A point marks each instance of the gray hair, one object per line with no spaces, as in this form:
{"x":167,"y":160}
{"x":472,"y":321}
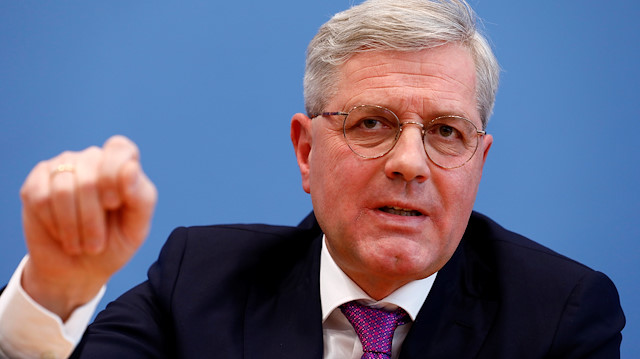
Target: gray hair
{"x":398,"y":25}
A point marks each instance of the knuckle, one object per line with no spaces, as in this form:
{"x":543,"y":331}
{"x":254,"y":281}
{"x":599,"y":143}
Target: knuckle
{"x":118,"y":141}
{"x":122,"y":143}
{"x":61,"y":193}
{"x":40,"y":166}
{"x":65,"y":156}
{"x":39,"y":171}
{"x":25,"y":192}
{"x":105,"y":180}
{"x":38,"y":202}
{"x":34,"y":197}
{"x":93,"y":151}
{"x":86,"y":186}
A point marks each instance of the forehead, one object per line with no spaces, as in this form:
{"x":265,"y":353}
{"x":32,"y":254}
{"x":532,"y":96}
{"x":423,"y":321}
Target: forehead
{"x":425,"y":83}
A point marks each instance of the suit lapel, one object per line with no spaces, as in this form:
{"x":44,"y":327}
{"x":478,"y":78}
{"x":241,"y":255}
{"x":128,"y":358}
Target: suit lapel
{"x":458,"y":312}
{"x":284,"y":317}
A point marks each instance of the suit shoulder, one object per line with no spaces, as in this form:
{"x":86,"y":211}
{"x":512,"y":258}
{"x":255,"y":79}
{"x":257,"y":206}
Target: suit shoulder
{"x":556,"y":300}
{"x":231,"y":247}
{"x":519,"y":257}
{"x":237,"y":238}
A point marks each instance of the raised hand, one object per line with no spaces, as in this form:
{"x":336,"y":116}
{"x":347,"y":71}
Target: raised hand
{"x":85,"y":214}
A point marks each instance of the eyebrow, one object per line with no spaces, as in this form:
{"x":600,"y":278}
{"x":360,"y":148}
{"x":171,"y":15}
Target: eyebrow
{"x":399,"y":113}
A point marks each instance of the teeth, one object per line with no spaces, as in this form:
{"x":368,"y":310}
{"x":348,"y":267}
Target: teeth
{"x":400,"y":211}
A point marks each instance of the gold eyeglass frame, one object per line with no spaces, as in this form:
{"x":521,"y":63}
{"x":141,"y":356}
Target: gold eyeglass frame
{"x":479,"y":133}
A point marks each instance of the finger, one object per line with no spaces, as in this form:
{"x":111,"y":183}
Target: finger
{"x":63,"y":206}
{"x":139,"y":200}
{"x":91,"y":214}
{"x":36,"y":201}
{"x":117,"y":151}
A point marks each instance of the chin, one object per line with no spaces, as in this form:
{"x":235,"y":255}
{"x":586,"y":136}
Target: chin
{"x":403,"y":259}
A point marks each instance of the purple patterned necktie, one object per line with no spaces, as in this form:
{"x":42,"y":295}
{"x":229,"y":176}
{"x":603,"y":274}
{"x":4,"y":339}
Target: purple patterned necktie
{"x":374,"y":327}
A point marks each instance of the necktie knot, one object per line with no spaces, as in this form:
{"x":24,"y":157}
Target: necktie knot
{"x":375,"y":328}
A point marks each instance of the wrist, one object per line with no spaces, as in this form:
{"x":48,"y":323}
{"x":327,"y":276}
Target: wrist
{"x":57,"y":294}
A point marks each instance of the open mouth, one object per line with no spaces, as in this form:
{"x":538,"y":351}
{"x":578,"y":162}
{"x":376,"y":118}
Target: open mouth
{"x":400,"y":211}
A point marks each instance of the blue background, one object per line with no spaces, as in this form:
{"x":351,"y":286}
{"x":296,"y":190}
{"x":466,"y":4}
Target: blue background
{"x":207,"y":89}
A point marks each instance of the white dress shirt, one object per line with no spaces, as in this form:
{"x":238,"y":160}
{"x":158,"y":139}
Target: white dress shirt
{"x":336,"y":288}
{"x":28,"y":330}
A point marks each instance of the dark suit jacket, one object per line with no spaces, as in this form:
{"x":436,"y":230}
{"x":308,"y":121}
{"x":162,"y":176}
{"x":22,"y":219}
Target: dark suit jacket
{"x":252,"y":291}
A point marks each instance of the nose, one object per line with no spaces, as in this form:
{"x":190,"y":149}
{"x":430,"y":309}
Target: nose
{"x":408,"y":159}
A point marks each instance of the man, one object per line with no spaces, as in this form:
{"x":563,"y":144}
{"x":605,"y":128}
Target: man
{"x":391,"y":150}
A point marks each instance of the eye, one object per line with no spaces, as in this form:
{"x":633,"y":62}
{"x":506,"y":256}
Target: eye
{"x":446,"y":131}
{"x":443,"y":131}
{"x":371,"y":123}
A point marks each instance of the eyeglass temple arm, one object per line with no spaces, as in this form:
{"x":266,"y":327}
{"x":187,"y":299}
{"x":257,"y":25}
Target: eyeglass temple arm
{"x":313,"y":115}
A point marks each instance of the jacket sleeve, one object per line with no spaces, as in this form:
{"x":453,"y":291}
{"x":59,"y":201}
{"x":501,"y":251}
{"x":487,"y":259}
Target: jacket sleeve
{"x":138,"y":324}
{"x":592,"y":321}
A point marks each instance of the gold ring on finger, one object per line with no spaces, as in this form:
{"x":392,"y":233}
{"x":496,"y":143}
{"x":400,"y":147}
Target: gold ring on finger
{"x":65,"y":167}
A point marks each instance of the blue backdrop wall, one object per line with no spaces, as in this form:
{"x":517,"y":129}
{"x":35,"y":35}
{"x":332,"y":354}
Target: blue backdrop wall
{"x":207,"y":89}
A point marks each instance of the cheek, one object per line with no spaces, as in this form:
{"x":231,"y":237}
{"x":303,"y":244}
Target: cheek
{"x":323,"y":162}
{"x":326,"y":165}
{"x":335,"y":169}
{"x":458,"y":189}
{"x":339,"y":182}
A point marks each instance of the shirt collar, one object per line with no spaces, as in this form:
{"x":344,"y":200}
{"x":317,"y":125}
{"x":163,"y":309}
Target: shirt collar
{"x":336,"y":288}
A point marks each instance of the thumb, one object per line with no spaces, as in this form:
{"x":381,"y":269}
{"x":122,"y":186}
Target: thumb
{"x":139,"y":197}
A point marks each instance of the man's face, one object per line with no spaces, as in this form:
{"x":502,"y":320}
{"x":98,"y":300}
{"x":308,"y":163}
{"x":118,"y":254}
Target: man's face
{"x":359,"y":202}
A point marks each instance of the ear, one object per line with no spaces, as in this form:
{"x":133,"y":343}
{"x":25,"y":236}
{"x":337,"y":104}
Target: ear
{"x":301,"y":139}
{"x":488,"y":141}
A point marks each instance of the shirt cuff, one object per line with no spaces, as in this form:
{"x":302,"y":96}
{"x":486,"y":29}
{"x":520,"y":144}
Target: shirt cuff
{"x":28,"y":330}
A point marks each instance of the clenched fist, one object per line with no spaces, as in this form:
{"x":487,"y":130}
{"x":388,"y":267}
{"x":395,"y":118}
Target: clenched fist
{"x":85,"y":214}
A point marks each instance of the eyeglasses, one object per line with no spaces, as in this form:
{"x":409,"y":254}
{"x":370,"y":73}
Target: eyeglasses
{"x":372,"y":131}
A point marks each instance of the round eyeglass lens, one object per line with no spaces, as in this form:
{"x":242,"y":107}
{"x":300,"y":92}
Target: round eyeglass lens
{"x":371,"y":131}
{"x":450,"y":141}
